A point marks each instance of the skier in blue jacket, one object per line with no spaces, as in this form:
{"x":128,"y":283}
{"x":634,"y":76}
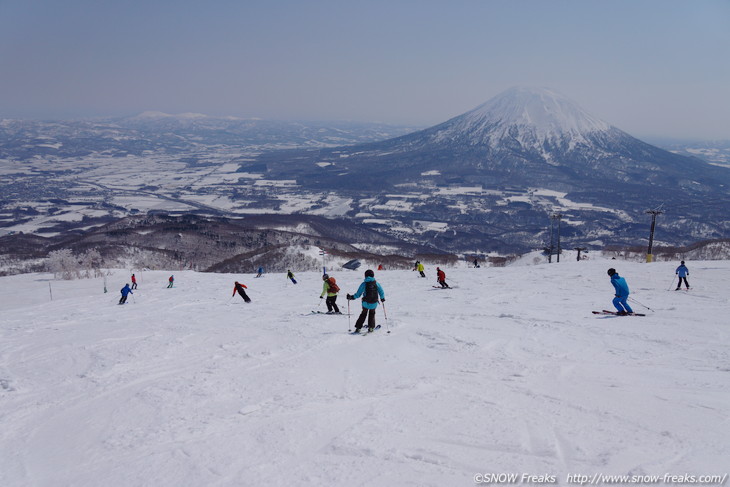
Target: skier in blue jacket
{"x":125,"y":290}
{"x":370,"y":290}
{"x":622,"y":293}
{"x":682,"y":272}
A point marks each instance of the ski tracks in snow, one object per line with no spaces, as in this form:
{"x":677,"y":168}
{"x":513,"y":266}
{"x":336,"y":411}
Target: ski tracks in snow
{"x":183,"y":386}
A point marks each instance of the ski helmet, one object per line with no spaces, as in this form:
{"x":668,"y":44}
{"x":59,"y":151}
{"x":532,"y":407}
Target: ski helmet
{"x":682,"y":262}
{"x":611,"y":271}
{"x":369,"y":273}
{"x":325,"y":277}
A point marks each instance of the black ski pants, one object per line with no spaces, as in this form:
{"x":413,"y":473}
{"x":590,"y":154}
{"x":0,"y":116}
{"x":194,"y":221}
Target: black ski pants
{"x":332,"y":304}
{"x":123,"y":299}
{"x":679,"y":284}
{"x":366,"y":313}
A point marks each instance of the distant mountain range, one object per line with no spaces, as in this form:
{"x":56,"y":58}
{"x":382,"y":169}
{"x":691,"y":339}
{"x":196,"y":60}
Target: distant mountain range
{"x":485,"y":181}
{"x":164,"y":133}
{"x":530,"y":142}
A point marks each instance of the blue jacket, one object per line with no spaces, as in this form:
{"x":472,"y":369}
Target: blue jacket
{"x":361,"y":291}
{"x":682,"y":271}
{"x":619,"y":283}
{"x":126,"y":290}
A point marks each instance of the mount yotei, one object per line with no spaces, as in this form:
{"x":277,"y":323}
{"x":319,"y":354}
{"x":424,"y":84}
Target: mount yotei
{"x":485,"y":181}
{"x":493,"y":174}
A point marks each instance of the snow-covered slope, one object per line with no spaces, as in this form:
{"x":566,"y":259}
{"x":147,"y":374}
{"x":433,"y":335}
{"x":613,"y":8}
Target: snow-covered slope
{"x":507,"y":373}
{"x":531,"y":114}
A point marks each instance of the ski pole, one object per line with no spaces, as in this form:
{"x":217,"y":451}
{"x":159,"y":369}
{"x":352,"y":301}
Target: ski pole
{"x":349,"y":326}
{"x":387,"y":327}
{"x":671,"y":285}
{"x":645,"y":306}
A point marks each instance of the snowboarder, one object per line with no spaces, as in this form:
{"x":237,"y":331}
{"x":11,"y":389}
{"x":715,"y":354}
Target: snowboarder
{"x":125,"y":290}
{"x":682,"y":272}
{"x":370,"y":290}
{"x":260,"y":272}
{"x":622,"y":293}
{"x":238,"y":287}
{"x":134,"y":282}
{"x":420,"y":268}
{"x":290,"y":275}
{"x":172,"y":281}
{"x":441,"y":277}
{"x":330,"y":288}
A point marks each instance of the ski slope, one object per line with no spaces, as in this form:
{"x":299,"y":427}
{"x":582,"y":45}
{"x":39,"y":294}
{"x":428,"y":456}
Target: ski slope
{"x":508,"y":373}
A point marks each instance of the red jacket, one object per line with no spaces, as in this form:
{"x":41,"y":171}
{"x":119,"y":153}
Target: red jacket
{"x":235,"y":288}
{"x":441,"y":275}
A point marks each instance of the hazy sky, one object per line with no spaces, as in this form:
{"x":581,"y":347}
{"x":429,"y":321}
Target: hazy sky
{"x":650,"y":67}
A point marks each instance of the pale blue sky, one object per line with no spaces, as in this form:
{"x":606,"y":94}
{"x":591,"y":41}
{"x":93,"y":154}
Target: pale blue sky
{"x":650,"y":67}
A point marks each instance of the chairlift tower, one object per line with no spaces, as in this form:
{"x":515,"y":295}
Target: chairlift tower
{"x":653,"y":213}
{"x":553,"y":217}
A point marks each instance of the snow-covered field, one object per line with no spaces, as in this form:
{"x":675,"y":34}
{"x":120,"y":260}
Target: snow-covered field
{"x":508,"y":373}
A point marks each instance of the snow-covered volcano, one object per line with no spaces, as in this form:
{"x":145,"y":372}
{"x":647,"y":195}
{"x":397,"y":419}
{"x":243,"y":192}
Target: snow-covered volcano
{"x":523,"y":137}
{"x":517,"y":143}
{"x":536,"y":125}
{"x":536,"y":115}
{"x":545,"y":110}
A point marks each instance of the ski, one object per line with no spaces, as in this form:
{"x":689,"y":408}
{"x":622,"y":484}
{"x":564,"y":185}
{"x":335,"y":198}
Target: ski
{"x":357,"y":332}
{"x":615,"y":313}
{"x":439,"y":287}
{"x":325,"y":313}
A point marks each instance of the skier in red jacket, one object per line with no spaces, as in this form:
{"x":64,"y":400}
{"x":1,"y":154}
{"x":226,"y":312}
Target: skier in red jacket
{"x":441,"y":277}
{"x":238,"y":287}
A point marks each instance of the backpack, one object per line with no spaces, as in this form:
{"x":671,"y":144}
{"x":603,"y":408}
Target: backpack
{"x":334,"y":288}
{"x":371,"y":292}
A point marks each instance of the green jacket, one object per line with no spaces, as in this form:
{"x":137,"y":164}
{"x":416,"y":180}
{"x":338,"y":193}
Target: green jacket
{"x":326,"y":290}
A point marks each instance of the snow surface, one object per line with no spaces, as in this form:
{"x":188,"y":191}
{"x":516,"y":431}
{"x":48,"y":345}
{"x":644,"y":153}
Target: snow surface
{"x":508,"y":373}
{"x":530,"y":116}
{"x":547,"y":112}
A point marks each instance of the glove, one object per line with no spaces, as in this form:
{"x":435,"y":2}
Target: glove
{"x":321,"y":297}
{"x":350,"y":297}
{"x":382,"y":300}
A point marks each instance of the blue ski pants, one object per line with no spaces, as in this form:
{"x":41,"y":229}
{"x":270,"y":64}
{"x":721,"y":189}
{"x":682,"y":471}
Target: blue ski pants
{"x":621,"y":305}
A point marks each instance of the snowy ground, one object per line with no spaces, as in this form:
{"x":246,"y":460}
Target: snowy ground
{"x":508,"y":373}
